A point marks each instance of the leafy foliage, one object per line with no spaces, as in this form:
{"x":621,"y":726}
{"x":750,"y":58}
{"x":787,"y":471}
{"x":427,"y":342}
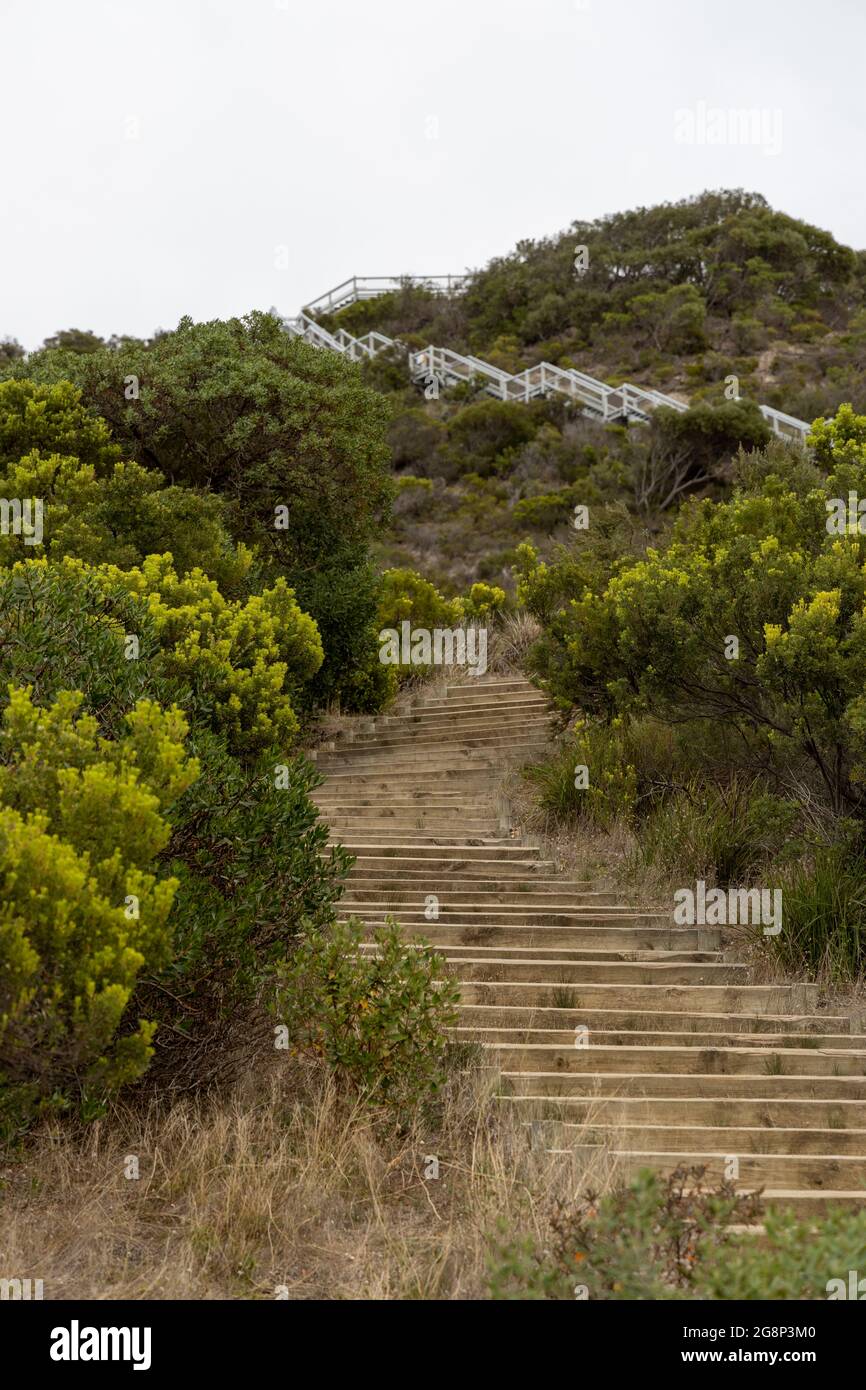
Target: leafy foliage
{"x":255,"y":877}
{"x":120,"y":517}
{"x":654,"y":633}
{"x":51,"y":419}
{"x":407,"y":595}
{"x":287,"y":436}
{"x":379,"y":1017}
{"x":243,"y":661}
{"x":81,"y":826}
{"x":825,"y":913}
{"x":723,"y":834}
{"x":645,"y":1240}
{"x":63,"y":628}
{"x":671,"y":1238}
{"x":590,"y":778}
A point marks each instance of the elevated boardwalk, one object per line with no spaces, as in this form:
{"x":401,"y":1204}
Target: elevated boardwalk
{"x":442,"y":367}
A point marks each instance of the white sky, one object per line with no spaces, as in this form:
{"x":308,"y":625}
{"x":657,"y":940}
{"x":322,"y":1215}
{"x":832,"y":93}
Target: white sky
{"x":158,"y":153}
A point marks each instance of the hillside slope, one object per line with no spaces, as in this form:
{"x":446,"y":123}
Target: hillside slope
{"x":716,"y":297}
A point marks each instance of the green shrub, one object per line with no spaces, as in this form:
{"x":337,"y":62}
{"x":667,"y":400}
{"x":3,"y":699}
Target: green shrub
{"x":54,"y":760}
{"x":408,"y":482}
{"x":401,"y":311}
{"x":82,"y":822}
{"x":245,"y":661}
{"x":590,"y":778}
{"x":417,"y":441}
{"x":248,"y":855}
{"x":241,"y":408}
{"x":413,"y":499}
{"x":655,"y":634}
{"x":62,"y":628}
{"x":517,"y":1272}
{"x":672,"y":276}
{"x":671,"y":1238}
{"x":686,"y":450}
{"x":721,"y":834}
{"x":50,"y":418}
{"x":633,"y":765}
{"x":287,"y":436}
{"x":121,"y":515}
{"x":379,"y":1018}
{"x":242,"y":665}
{"x":483,"y":601}
{"x":548,"y":510}
{"x":482,"y":435}
{"x":642,"y":1241}
{"x":671,"y":320}
{"x":750,"y":334}
{"x":407,"y":595}
{"x":345,"y":598}
{"x":794,"y":1259}
{"x":824,"y":914}
{"x":255,"y":876}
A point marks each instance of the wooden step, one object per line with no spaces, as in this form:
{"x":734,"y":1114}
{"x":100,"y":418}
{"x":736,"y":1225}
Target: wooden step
{"x":406,"y":865}
{"x":721,"y":1112}
{"x":688,"y":1140}
{"x":441,"y":848}
{"x":424,"y":940}
{"x":462,"y":915}
{"x":625,"y":1022}
{"x":471,"y":1029}
{"x":738,"y":1086}
{"x":601,"y":973}
{"x":550,"y":939}
{"x":751,"y":999}
{"x":825,"y":1172}
{"x":667,"y":1059}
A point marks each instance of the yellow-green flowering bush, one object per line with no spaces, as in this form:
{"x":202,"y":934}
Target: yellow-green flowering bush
{"x":82,"y":912}
{"x":118,"y":515}
{"x":483,"y":601}
{"x":753,"y":613}
{"x":244,"y":661}
{"x":50,"y":417}
{"x":407,"y":595}
{"x":61,"y":630}
{"x":252,"y":862}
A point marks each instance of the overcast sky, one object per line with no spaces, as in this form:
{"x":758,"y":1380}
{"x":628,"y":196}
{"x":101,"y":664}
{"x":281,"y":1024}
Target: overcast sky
{"x":207,"y":157}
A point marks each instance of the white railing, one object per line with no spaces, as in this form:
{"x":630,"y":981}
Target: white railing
{"x":597,"y":398}
{"x":786,"y":426}
{"x":305,"y":327}
{"x":370,"y":286}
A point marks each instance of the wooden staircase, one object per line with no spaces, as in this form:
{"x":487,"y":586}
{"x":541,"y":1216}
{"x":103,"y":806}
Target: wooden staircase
{"x":620,"y":1028}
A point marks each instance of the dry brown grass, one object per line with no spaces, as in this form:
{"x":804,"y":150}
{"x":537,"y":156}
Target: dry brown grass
{"x":280,"y":1189}
{"x":608,"y":860}
{"x":579,"y":849}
